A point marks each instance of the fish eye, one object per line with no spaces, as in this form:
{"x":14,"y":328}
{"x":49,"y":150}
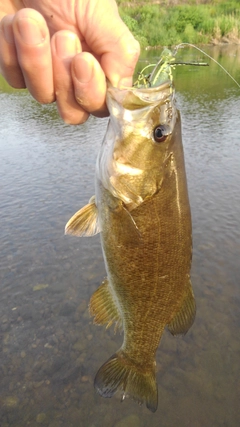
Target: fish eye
{"x":159,"y":134}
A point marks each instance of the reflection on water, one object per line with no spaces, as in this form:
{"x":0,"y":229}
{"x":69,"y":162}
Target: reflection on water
{"x":50,"y":350}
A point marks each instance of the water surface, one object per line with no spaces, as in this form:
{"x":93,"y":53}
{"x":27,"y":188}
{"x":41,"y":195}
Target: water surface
{"x":50,"y":350}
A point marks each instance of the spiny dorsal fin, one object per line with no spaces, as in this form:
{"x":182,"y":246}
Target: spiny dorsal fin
{"x":103,"y":307}
{"x":85,"y":221}
{"x":184,"y":318}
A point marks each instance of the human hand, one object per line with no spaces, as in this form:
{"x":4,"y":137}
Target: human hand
{"x":63,"y":50}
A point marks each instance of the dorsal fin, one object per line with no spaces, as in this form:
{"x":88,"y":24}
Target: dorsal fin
{"x":184,"y":318}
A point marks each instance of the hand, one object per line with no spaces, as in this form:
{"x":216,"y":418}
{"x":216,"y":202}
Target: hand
{"x":63,"y":50}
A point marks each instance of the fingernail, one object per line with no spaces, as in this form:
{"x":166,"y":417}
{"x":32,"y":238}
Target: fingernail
{"x":66,"y":45}
{"x":30,"y":32}
{"x":82,"y":70}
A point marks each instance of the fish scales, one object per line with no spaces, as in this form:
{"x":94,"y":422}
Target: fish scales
{"x":157,"y":265}
{"x":141,"y":209}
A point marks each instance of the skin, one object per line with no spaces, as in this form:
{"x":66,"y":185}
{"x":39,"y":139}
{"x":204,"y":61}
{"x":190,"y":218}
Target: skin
{"x":63,"y":50}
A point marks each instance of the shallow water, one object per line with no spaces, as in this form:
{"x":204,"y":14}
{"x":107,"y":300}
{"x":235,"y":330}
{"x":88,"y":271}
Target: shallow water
{"x":50,"y":350}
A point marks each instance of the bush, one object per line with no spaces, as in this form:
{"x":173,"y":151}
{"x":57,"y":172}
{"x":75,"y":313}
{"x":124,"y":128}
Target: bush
{"x":226,"y":24}
{"x":133,"y":26}
{"x":130,"y":22}
{"x":188,"y":15}
{"x":208,"y":26}
{"x":154,"y":24}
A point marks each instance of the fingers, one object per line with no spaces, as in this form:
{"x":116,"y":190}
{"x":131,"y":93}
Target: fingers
{"x":120,"y":60}
{"x":59,"y":68}
{"x":27,"y":61}
{"x":34,"y":53}
{"x":89,"y":84}
{"x":65,"y":45}
{"x":114,"y":45}
{"x":9,"y":65}
{"x":26,"y":54}
{"x":79,"y":81}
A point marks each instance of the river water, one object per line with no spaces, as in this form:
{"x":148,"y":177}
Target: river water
{"x":50,"y":350}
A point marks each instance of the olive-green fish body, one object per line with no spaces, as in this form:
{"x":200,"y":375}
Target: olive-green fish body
{"x":141,"y":208}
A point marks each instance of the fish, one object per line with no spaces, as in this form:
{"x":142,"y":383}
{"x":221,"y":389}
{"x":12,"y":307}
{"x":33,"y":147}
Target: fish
{"x":141,"y":210}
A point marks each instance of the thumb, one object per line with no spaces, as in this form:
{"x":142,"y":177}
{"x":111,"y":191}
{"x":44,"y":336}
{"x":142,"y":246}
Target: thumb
{"x":110,"y":40}
{"x":119,"y":62}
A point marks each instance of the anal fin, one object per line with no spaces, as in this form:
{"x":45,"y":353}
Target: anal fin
{"x":103,"y":307}
{"x":184,"y":318}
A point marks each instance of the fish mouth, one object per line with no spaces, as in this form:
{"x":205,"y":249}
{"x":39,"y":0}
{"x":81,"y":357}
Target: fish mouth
{"x":133,"y":108}
{"x":132,"y":98}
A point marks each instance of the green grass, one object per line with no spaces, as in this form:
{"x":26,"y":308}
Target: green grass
{"x":194,"y":22}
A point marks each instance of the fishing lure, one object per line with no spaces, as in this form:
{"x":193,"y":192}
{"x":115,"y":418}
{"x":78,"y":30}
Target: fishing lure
{"x":162,"y":71}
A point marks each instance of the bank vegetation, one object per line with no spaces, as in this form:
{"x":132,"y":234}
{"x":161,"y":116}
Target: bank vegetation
{"x":170,"y":22}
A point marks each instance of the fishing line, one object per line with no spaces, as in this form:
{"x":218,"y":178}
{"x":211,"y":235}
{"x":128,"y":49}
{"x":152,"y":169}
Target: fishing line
{"x":208,"y":56}
{"x":162,"y":70}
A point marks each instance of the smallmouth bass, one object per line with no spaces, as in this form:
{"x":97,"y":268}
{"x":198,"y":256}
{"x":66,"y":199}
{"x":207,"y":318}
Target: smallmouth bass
{"x":141,"y":210}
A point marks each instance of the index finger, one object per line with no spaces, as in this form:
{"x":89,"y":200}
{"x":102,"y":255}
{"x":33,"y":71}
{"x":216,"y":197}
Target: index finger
{"x":32,"y":44}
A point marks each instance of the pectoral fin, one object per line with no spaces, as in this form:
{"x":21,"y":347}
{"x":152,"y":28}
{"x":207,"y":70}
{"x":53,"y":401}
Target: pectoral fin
{"x":184,"y":318}
{"x":85,"y":221}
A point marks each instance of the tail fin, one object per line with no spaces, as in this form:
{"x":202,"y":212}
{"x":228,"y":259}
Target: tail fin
{"x":121,"y":374}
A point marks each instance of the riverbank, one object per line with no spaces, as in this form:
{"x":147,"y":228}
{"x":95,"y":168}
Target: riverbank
{"x":170,"y":23}
{"x":223,"y":41}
